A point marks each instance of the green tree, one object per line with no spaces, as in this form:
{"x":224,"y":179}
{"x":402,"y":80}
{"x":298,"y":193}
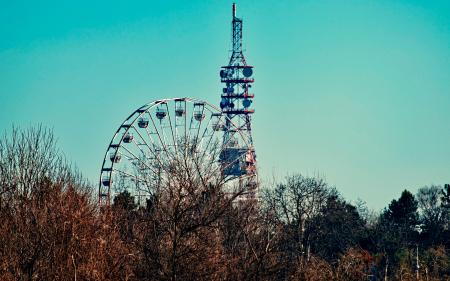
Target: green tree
{"x":125,"y":201}
{"x":394,"y":233}
{"x":337,"y":228}
{"x":446,"y":196}
{"x":403,"y":211}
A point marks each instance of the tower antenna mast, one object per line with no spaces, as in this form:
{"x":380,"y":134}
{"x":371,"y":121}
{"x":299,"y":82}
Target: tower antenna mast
{"x":235,"y":104}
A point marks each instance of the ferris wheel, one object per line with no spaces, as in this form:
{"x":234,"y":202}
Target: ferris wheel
{"x":158,"y":138}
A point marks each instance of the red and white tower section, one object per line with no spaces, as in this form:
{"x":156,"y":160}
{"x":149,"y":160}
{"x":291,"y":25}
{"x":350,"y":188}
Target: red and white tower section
{"x":236,"y":104}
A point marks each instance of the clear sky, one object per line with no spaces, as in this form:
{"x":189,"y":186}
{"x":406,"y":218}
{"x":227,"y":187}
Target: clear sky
{"x":355,"y":91}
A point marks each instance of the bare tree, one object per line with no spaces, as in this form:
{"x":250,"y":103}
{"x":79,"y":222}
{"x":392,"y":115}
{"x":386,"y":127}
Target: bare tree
{"x":50,"y":228}
{"x":294,"y":204}
{"x":431,"y":211}
{"x":355,"y":264}
{"x":178,"y":236}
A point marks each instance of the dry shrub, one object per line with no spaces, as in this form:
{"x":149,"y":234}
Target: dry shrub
{"x":354,"y":264}
{"x":51,"y":229}
{"x":315,"y":269}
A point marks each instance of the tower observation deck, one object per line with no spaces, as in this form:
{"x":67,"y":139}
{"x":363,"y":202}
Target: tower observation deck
{"x":236,"y":101}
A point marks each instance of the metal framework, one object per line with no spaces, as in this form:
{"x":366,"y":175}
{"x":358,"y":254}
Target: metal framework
{"x":164,"y":135}
{"x":160,"y":137}
{"x":235,"y":104}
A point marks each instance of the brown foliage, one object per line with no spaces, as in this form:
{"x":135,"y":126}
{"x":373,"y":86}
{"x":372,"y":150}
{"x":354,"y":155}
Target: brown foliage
{"x":354,"y":265}
{"x":50,"y":228}
{"x":191,"y":229}
{"x":316,"y":269}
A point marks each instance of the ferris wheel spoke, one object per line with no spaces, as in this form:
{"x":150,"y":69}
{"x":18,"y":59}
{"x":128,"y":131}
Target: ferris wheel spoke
{"x":170,"y":124}
{"x":149,"y":136}
{"x":199,"y":173}
{"x":159,"y":136}
{"x":188,"y":137}
{"x":154,"y":145}
{"x":172,"y":132}
{"x":139,"y":159}
{"x":211,"y":136}
{"x":148,"y":146}
{"x":185,"y":125}
{"x":163,"y":134}
{"x":200,"y":141}
{"x":139,"y":179}
{"x":203,"y":175}
{"x":130,"y":176}
{"x":199,"y":125}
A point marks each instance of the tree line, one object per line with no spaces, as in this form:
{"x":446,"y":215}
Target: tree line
{"x":51,"y":228}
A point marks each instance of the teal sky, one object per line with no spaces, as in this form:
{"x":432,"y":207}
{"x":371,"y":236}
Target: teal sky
{"x":355,"y":91}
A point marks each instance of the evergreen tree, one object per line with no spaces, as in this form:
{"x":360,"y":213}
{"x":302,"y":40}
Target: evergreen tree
{"x":125,"y":201}
{"x":446,"y":196}
{"x":403,"y":211}
{"x":336,"y":229}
